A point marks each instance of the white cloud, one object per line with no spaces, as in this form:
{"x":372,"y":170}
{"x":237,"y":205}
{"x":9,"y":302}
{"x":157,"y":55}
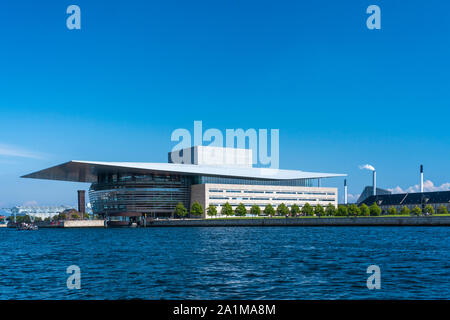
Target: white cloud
{"x":428,"y":185}
{"x":13,"y":151}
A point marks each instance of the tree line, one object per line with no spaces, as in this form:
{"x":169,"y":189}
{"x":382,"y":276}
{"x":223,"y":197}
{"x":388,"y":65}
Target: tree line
{"x":295,"y":211}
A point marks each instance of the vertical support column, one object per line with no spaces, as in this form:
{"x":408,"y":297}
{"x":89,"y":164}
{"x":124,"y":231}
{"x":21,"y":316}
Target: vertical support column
{"x":82,"y":202}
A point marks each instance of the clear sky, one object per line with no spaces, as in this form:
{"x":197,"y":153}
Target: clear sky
{"x":340,"y":94}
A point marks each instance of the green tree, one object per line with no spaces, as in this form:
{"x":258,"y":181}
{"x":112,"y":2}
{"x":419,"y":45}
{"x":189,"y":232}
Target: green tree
{"x":227,"y":210}
{"x":211,"y":211}
{"x":282,"y":210}
{"x":269,"y":210}
{"x":342,"y":211}
{"x":330,"y":210}
{"x":295,"y":210}
{"x":196,"y":209}
{"x":354,"y":210}
{"x":255,"y":210}
{"x":307,"y":210}
{"x":75,"y":216}
{"x":442,"y":210}
{"x":365,"y":211}
{"x":416,"y":211}
{"x":392,"y":211}
{"x":240,"y":210}
{"x":429,"y":209}
{"x":375,"y":210}
{"x":180,"y":210}
{"x":405,"y":210}
{"x":319,"y":210}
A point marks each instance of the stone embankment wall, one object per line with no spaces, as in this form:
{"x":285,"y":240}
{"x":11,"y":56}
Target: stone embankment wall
{"x":359,"y":221}
{"x":84,"y":223}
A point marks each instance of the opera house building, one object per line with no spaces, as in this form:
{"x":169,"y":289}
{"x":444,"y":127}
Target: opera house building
{"x":125,"y":190}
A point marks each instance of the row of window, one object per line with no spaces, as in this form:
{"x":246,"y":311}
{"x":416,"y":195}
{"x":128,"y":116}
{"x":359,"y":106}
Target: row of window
{"x":261,"y":205}
{"x":277,"y":192}
{"x":273,"y":199}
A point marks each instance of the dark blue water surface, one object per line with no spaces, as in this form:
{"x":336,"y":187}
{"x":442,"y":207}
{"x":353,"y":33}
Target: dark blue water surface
{"x":226,"y":263}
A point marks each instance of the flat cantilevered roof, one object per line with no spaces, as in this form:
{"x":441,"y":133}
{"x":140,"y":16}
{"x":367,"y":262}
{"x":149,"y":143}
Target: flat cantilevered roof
{"x":86,"y":171}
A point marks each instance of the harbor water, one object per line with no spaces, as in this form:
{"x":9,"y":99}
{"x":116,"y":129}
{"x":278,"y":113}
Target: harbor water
{"x":226,"y":263}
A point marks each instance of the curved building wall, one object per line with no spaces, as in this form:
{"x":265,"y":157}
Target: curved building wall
{"x":138,"y":193}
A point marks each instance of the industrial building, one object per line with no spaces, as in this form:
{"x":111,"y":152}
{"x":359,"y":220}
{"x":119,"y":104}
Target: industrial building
{"x":131,"y":190}
{"x":368,"y":191}
{"x":385,"y":200}
{"x":410,"y":200}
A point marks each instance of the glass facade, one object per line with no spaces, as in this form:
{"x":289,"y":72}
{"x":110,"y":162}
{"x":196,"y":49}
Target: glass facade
{"x":262,"y":182}
{"x":153,"y":194}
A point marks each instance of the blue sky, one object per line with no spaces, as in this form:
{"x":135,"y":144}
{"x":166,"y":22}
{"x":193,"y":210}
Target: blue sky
{"x":341,"y":95}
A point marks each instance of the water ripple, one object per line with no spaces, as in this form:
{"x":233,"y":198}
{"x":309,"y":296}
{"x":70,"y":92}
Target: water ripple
{"x":226,"y":263}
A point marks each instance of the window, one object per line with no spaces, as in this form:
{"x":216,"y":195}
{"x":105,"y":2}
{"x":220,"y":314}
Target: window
{"x":218,"y":198}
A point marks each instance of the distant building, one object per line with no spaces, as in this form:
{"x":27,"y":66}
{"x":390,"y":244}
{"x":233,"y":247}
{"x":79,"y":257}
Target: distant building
{"x":368,"y":191}
{"x":38,"y":211}
{"x":410,"y":200}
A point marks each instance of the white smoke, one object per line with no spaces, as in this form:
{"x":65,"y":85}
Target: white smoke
{"x":367,"y":167}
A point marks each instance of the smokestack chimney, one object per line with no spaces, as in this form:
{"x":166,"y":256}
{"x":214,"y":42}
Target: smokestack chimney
{"x":374,"y":183}
{"x":345,"y":191}
{"x":82,"y":202}
{"x":421,"y":178}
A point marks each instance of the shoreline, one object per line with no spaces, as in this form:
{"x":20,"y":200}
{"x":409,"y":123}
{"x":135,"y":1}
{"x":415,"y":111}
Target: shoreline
{"x":308,"y":222}
{"x":264,"y":222}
